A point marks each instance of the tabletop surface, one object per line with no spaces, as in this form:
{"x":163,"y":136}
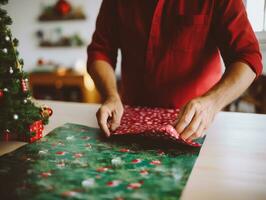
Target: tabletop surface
{"x":231,"y":164}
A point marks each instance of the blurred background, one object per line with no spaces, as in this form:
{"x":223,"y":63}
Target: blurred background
{"x":53,"y":37}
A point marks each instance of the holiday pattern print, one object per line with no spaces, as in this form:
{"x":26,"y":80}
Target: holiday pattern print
{"x":89,"y":166}
{"x":151,"y":122}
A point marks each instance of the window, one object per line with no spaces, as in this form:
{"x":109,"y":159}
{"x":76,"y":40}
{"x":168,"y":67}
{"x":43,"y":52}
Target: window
{"x":256,"y":10}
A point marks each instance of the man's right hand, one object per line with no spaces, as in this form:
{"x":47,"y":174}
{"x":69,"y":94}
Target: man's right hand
{"x":109,"y":114}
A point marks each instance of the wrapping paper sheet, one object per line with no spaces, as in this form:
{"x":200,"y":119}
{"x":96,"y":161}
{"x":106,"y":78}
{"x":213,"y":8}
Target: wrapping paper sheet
{"x":77,"y":162}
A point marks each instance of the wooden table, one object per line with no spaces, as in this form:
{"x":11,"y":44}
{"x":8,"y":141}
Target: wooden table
{"x":231,"y":164}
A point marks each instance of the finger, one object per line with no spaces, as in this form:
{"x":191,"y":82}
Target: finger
{"x":192,"y":127}
{"x":185,"y":118}
{"x":199,"y":133}
{"x":102,"y":118}
{"x":174,"y":123}
{"x":116,"y":119}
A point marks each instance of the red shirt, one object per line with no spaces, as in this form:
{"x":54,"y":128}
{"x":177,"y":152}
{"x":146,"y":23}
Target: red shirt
{"x":172,"y":49}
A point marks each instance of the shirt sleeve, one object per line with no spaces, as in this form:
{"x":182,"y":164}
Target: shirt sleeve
{"x":235,"y":36}
{"x":104,"y":44}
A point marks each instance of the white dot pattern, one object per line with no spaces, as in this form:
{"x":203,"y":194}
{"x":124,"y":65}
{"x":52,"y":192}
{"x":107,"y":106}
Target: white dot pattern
{"x":152,"y":122}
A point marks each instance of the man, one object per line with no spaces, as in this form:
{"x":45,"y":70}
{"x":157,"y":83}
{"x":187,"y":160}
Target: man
{"x":171,"y":57}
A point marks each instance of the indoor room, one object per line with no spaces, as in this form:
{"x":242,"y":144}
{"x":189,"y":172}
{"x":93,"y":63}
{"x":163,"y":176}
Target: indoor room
{"x":109,"y":99}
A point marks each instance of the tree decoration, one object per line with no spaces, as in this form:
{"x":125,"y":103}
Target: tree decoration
{"x":24,"y":85}
{"x":15,"y":116}
{"x":20,"y":118}
{"x":1,"y":94}
{"x":7,"y":38}
{"x":46,"y":111}
{"x":11,"y":71}
{"x":5,"y":50}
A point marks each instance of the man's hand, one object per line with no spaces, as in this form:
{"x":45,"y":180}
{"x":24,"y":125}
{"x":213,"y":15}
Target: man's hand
{"x":198,"y":114}
{"x":195,"y":117}
{"x":109,"y":115}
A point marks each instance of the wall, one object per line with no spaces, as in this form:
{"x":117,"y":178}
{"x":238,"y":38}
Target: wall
{"x":24,"y":14}
{"x":25,"y":24}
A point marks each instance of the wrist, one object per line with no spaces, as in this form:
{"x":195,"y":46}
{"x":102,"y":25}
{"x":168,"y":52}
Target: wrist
{"x":214,"y":100}
{"x":113,"y":97}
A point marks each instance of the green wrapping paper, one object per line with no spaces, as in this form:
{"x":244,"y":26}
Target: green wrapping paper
{"x":76,"y":162}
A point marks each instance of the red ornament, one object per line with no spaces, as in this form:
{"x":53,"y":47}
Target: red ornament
{"x":37,"y":128}
{"x":40,"y":62}
{"x":63,"y":7}
{"x":1,"y":94}
{"x":24,"y":85}
{"x":46,"y":111}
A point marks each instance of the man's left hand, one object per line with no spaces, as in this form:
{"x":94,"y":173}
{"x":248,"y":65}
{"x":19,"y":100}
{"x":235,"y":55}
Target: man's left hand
{"x":195,"y":117}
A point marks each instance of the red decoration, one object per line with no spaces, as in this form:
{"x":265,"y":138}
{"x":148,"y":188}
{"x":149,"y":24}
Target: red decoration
{"x":40,"y":62}
{"x":151,"y":122}
{"x":46,"y":111}
{"x":63,"y":7}
{"x":6,"y":136}
{"x":24,"y":85}
{"x":37,"y":128}
{"x":1,"y":94}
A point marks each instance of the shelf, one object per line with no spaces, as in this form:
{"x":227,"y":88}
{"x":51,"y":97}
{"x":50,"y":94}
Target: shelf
{"x":67,"y":86}
{"x":60,"y":18}
{"x":54,"y":17}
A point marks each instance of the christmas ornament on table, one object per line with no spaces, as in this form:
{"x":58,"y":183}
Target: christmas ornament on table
{"x":20,"y":118}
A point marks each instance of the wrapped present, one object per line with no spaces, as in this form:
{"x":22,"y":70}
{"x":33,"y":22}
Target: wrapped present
{"x":37,"y":130}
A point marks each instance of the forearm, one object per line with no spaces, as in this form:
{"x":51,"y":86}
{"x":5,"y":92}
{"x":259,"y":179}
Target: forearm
{"x":104,"y":77}
{"x":234,"y":82}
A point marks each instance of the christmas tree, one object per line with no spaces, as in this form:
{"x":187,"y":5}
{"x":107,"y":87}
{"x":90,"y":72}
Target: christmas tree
{"x":20,"y":118}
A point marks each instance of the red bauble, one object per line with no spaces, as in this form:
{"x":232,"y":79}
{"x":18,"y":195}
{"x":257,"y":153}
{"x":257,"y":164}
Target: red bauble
{"x":63,"y":7}
{"x":24,"y":85}
{"x":46,"y":111}
{"x":1,"y":94}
